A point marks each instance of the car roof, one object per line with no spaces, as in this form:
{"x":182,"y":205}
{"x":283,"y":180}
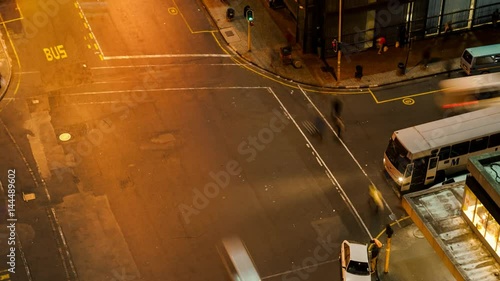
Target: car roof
{"x":358,"y":251}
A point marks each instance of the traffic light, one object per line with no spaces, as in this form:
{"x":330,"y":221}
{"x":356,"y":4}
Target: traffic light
{"x":250,"y":15}
{"x":335,"y":45}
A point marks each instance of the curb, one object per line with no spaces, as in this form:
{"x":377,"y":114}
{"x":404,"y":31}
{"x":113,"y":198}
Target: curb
{"x":5,"y":86}
{"x":362,"y":86}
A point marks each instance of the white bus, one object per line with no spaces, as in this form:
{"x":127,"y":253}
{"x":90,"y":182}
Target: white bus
{"x":420,"y":156}
{"x":469,"y":93}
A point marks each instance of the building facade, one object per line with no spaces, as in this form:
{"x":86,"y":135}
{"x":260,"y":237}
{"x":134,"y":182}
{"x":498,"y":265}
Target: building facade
{"x":363,"y":21}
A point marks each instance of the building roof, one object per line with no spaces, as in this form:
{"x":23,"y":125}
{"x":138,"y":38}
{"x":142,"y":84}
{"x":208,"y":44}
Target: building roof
{"x":484,"y":50}
{"x":485,"y":168}
{"x":437,"y":213}
{"x":421,"y":138}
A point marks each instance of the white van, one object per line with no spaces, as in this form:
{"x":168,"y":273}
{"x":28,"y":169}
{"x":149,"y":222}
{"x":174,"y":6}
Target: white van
{"x":482,"y":59}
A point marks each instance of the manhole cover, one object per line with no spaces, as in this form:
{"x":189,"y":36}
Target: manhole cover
{"x":64,"y":137}
{"x":229,"y":33}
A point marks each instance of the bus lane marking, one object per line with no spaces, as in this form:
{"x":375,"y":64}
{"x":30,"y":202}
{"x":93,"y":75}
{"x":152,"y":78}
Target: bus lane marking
{"x":90,"y":33}
{"x":377,"y":101}
{"x":173,"y":11}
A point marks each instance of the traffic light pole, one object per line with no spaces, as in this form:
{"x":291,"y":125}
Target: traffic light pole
{"x":339,"y":53}
{"x":389,"y":231}
{"x":249,"y":37}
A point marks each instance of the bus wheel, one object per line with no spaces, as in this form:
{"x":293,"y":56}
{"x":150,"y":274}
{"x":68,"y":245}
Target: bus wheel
{"x":440,"y":177}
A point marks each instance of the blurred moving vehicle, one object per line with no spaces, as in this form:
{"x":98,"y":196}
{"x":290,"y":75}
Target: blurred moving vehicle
{"x":354,"y":261}
{"x":237,"y":260}
{"x":469,"y":93}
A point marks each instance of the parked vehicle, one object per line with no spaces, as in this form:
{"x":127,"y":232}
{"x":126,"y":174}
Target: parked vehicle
{"x":354,"y":261}
{"x":483,"y":59}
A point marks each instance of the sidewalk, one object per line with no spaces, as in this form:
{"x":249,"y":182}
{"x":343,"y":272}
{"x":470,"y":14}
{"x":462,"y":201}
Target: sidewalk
{"x":5,"y":68}
{"x":411,"y":257}
{"x":269,"y":34}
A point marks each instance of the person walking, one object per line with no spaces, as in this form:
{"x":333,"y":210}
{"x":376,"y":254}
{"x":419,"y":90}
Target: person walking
{"x":319,"y":125}
{"x":337,"y":107}
{"x":336,"y":112}
{"x":339,"y":125}
{"x":376,"y":198}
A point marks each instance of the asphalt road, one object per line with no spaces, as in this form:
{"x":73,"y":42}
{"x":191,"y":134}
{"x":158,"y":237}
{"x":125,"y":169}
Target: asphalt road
{"x":176,"y":144}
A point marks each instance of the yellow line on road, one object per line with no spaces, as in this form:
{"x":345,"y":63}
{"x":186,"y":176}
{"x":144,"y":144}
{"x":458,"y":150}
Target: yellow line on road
{"x":187,"y":24}
{"x":403,"y":97}
{"x":13,"y":20}
{"x":239,"y":61}
{"x":16,"y":89}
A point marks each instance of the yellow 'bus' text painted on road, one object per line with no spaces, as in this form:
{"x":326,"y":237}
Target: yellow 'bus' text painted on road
{"x":56,"y":52}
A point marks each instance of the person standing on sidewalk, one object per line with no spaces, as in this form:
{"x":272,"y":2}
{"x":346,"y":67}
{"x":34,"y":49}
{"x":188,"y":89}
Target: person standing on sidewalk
{"x":376,"y":245}
{"x":426,"y":56}
{"x":381,"y":43}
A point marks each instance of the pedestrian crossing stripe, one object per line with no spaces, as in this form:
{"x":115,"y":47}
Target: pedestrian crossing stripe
{"x":310,"y":127}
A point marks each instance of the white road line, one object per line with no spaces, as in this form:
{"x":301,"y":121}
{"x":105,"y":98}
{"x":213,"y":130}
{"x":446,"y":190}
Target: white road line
{"x":163,"y":89}
{"x":392,"y":215}
{"x":298,"y":269}
{"x":23,"y":257}
{"x":329,"y":173}
{"x":162,"y":65}
{"x":28,"y":72}
{"x":51,"y":219}
{"x":167,"y":56}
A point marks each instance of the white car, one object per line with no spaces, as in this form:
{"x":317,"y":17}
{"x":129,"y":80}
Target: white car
{"x":354,"y":262}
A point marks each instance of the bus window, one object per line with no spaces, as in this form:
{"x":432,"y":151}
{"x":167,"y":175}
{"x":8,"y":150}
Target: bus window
{"x":484,"y":60}
{"x":494,"y":140}
{"x":467,"y":57}
{"x":459,"y":149}
{"x":478,"y":144}
{"x":444,"y":153}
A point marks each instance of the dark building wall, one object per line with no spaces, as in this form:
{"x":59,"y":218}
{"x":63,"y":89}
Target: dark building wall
{"x":397,"y":20}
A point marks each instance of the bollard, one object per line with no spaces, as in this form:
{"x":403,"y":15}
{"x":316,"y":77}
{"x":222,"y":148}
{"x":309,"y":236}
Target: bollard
{"x":401,"y":68}
{"x":359,"y":72}
{"x":389,"y":232}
